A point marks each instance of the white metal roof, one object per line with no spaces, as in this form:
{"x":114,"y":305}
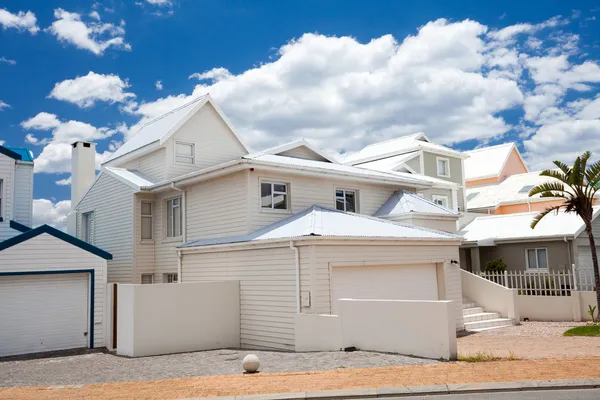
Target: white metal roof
{"x":487,"y":162}
{"x":131,"y":177}
{"x":486,"y":230}
{"x":404,"y":202}
{"x":513,"y":190}
{"x":400,"y":145}
{"x":390,"y":163}
{"x":295,"y":144}
{"x":321,"y":221}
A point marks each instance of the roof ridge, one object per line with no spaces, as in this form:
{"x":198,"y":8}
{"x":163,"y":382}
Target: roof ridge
{"x":392,"y":139}
{"x":171,"y":112}
{"x":489,"y":147}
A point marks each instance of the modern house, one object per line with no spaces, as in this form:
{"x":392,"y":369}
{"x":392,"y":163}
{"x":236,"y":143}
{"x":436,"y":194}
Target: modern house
{"x":184,"y":200}
{"x":491,"y":165}
{"x":52,"y":284}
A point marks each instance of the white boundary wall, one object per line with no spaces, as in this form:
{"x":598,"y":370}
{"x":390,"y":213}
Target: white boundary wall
{"x":557,"y":308}
{"x":419,"y":328}
{"x":177,"y":317}
{"x":490,"y":295}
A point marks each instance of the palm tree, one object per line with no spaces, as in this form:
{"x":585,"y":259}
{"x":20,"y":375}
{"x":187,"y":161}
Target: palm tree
{"x":577,"y":186}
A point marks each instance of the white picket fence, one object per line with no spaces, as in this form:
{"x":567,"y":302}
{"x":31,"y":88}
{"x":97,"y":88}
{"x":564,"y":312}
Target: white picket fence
{"x":543,"y":283}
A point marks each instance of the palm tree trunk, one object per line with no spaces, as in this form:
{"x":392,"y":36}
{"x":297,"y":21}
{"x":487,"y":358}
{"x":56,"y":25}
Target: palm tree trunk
{"x":588,"y":228}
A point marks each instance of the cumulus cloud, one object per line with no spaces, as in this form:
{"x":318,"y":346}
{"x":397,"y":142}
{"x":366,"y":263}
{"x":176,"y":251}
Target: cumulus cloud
{"x":3,"y":105}
{"x":53,"y":214}
{"x":94,"y":36}
{"x":158,"y":85}
{"x":86,"y":90}
{"x":42,"y":121}
{"x":64,"y":182}
{"x":8,"y":61}
{"x":159,"y":2}
{"x":510,"y":32}
{"x":22,"y":21}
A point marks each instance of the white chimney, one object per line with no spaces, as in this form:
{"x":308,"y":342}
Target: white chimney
{"x":83,"y":172}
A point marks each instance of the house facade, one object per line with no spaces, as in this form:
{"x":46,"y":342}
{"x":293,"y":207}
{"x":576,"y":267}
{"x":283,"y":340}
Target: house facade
{"x":16,"y":189}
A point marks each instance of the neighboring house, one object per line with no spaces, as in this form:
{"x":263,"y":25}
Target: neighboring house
{"x":184,"y":200}
{"x":491,"y":165}
{"x":557,"y":242}
{"x":415,"y":154}
{"x":16,"y":189}
{"x":51,"y":284}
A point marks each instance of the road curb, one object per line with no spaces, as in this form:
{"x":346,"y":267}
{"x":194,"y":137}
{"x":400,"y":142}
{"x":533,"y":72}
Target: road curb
{"x":408,"y":391}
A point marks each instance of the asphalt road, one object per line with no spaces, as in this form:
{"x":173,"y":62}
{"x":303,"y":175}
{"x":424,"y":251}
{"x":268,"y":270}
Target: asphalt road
{"x":570,"y":394}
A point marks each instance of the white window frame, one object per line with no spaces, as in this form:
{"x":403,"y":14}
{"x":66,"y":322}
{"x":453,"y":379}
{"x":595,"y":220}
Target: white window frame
{"x":175,"y":155}
{"x":147,"y":216}
{"x":274,"y":182}
{"x":1,"y":199}
{"x":87,"y":234}
{"x":437,"y":166}
{"x":344,"y":190}
{"x":537,"y":261}
{"x":170,"y":221}
{"x":171,"y":276}
{"x":436,"y":197}
{"x":151,"y":279}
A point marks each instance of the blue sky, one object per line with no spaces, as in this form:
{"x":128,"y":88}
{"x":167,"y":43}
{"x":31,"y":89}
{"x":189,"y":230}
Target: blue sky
{"x":343,"y":73}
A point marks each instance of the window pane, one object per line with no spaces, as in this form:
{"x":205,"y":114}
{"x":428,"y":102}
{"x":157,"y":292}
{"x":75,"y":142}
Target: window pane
{"x":531,"y":258}
{"x":184,"y":160}
{"x":147,"y":279}
{"x":176,"y":221}
{"x":339,"y":203}
{"x":265,"y":195}
{"x":183,"y":149}
{"x":146,"y":228}
{"x":442,"y":167}
{"x":350,"y":202}
{"x":280,"y":202}
{"x":542,"y":258}
{"x":279,"y":188}
{"x":170,"y":218}
{"x":339,"y":193}
{"x":146,"y":209}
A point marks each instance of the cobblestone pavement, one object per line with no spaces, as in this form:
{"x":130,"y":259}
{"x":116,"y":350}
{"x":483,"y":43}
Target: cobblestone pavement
{"x":239,"y":384}
{"x":531,"y":340}
{"x":100,"y":367}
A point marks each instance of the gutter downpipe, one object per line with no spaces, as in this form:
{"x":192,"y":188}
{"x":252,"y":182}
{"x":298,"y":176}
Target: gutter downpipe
{"x":297,"y":257}
{"x":184,"y":228}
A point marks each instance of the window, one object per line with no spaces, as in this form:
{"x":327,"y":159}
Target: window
{"x":443,"y":167}
{"x":440,"y":200}
{"x":1,"y":204}
{"x":526,"y":189}
{"x":87,"y":227}
{"x":184,"y":153}
{"x":147,"y":279}
{"x":345,"y":200}
{"x":170,"y":278}
{"x":471,"y":196}
{"x":273,"y":196}
{"x":174,"y":217}
{"x":537,"y":258}
{"x":146,"y":224}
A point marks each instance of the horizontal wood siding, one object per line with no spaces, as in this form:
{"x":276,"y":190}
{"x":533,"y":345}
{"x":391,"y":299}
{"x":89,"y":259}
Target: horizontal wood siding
{"x":6,"y":231}
{"x":307,"y":191}
{"x":7,"y":175}
{"x":112,"y":204}
{"x":45,"y":252}
{"x":214,"y":143}
{"x":23,"y":194}
{"x":218,"y":207}
{"x":152,"y":165}
{"x":267,"y":291}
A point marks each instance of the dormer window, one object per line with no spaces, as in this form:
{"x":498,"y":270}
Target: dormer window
{"x":184,"y":153}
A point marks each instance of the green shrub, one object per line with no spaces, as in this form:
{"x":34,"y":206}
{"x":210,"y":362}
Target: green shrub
{"x":496,"y":265}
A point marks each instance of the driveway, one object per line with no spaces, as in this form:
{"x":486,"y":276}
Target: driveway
{"x":531,"y":340}
{"x":100,"y":367}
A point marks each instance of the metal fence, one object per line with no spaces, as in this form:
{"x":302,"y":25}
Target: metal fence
{"x":543,"y":283}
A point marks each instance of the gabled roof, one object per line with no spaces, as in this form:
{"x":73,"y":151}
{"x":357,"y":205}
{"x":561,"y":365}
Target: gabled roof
{"x":29,"y":233}
{"x":488,"y":230}
{"x":25,"y":153}
{"x":16,"y":153}
{"x":156,"y":132}
{"x":394,"y":163}
{"x":400,"y":145}
{"x":404,"y":202}
{"x":324,"y":222}
{"x":294,"y":145}
{"x":488,"y":162}
{"x":131,"y":177}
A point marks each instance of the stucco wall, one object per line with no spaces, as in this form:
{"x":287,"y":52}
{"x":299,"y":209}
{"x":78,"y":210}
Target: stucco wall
{"x":514,"y":254}
{"x":177,"y":317}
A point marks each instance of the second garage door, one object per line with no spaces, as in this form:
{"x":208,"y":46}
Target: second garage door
{"x":43,"y":313}
{"x":389,"y":282}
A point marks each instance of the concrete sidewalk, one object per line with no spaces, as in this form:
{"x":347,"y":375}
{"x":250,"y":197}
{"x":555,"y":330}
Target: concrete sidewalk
{"x":446,"y":376}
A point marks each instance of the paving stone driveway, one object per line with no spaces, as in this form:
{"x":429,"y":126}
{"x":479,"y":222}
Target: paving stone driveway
{"x":100,"y":367}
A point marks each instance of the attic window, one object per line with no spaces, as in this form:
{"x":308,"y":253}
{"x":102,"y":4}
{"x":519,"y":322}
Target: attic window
{"x":184,"y":153}
{"x":471,"y":196}
{"x":526,"y":189}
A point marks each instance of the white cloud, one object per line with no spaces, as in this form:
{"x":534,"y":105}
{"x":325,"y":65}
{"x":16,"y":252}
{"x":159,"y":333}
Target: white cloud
{"x":64,"y":182}
{"x":158,"y":85}
{"x":159,"y":2}
{"x":64,"y":131}
{"x":43,"y":121}
{"x":20,"y":21}
{"x":86,"y":90}
{"x":94,"y":14}
{"x":53,"y":214}
{"x":215,"y":74}
{"x":3,"y":105}
{"x":510,"y":32}
{"x":93,"y":36}
{"x":7,"y":60}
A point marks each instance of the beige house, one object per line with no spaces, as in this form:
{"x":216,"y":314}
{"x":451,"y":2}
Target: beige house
{"x":184,"y":200}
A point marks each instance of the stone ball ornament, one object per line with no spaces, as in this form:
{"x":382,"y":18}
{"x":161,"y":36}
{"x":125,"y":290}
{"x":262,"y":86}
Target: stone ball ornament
{"x":251,"y":363}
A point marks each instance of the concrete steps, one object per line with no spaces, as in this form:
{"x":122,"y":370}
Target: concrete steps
{"x":476,"y":319}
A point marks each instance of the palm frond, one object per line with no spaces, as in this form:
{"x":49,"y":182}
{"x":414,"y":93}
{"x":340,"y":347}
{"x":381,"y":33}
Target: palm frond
{"x":551,"y":173}
{"x":563,"y":167}
{"x":549,"y":189}
{"x":541,"y":215}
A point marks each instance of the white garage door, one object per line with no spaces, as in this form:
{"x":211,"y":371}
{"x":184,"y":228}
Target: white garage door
{"x":398,"y":282}
{"x":43,"y":313}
